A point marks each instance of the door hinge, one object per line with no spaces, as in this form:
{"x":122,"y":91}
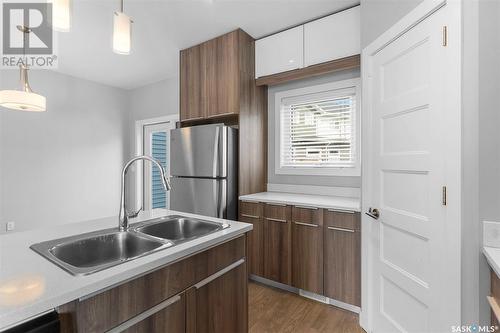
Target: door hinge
{"x":444,"y":196}
{"x":445,"y":35}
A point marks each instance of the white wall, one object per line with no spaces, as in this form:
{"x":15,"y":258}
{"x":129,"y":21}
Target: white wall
{"x":151,"y":101}
{"x":489,"y":134}
{"x":63,"y":165}
{"x":379,"y":15}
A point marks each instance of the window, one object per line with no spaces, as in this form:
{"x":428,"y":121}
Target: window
{"x":317,"y":130}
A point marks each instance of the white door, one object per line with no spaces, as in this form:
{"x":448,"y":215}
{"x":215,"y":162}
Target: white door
{"x":156,"y":143}
{"x":414,"y":145}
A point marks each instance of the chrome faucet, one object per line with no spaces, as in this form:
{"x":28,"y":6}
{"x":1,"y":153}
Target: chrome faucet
{"x":123,"y":217}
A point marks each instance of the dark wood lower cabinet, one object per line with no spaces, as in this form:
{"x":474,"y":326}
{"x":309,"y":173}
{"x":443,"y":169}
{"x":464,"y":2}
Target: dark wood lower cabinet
{"x":313,"y":249}
{"x":161,"y":301}
{"x":307,"y":249}
{"x":277,"y":244}
{"x":219,"y":304}
{"x":169,"y":318}
{"x":343,"y":265}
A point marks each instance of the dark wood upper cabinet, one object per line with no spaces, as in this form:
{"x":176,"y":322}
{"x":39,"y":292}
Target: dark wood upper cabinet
{"x":342,"y":242}
{"x":214,"y":76}
{"x":191,"y":83}
{"x":217,"y":85}
{"x":307,"y":249}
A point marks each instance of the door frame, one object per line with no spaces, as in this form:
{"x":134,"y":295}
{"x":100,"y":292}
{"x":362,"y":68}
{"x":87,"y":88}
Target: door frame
{"x":139,"y":150}
{"x":453,"y":174}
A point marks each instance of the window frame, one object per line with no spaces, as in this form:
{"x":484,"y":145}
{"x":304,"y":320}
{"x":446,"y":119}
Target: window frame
{"x":318,"y":171}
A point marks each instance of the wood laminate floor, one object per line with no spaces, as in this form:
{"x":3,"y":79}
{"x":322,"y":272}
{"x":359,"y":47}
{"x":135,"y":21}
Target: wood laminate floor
{"x":272,"y":310}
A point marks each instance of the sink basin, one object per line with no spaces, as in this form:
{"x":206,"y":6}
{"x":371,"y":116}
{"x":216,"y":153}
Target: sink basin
{"x":98,"y":250}
{"x":89,"y":253}
{"x":178,"y":228}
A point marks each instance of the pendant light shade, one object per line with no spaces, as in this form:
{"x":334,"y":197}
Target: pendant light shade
{"x":24,"y":99}
{"x":122,"y":30}
{"x":61,"y":15}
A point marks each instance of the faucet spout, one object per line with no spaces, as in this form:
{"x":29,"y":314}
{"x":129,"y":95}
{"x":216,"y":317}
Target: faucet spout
{"x":123,"y":216}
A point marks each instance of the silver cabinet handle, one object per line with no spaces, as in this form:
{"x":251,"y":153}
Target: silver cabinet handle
{"x":148,"y":313}
{"x":341,"y":211}
{"x":276,"y":204}
{"x":307,"y":224}
{"x":340,"y":229}
{"x":306,"y":207}
{"x":250,"y":216}
{"x":276,"y":220}
{"x":218,"y":274}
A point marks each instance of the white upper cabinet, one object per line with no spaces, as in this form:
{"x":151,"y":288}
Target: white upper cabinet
{"x":332,"y":37}
{"x":280,"y":52}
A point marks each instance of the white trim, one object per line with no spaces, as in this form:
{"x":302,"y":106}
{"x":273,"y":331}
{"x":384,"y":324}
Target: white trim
{"x":422,"y":11}
{"x":349,"y":192}
{"x":338,"y":171}
{"x":139,"y":150}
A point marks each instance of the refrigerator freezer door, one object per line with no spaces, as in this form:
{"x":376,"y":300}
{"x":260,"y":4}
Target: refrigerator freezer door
{"x":202,"y":196}
{"x":199,"y":151}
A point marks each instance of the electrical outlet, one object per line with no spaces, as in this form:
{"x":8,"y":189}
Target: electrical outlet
{"x":10,"y":226}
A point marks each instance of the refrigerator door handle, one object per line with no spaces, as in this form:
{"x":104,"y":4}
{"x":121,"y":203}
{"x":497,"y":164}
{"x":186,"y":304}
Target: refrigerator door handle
{"x":215,"y":158}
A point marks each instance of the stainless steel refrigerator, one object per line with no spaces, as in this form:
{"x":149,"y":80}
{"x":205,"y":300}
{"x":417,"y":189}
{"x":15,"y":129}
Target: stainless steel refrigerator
{"x":203,"y":165}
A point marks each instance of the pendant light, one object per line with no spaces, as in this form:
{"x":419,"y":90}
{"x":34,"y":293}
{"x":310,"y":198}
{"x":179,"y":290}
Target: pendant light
{"x":61,"y":15}
{"x":122,"y":30}
{"x":24,"y":99}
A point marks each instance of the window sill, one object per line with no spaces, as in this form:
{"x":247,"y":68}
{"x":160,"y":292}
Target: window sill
{"x":339,"y":172}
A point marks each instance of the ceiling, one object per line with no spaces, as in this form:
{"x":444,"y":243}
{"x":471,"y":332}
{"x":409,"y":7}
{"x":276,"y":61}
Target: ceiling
{"x":163,"y":27}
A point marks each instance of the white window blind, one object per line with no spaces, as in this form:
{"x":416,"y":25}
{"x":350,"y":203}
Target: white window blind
{"x":318,"y":130}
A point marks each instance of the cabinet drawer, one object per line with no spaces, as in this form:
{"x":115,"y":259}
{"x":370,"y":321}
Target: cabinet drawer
{"x":309,"y":215}
{"x":250,"y":209}
{"x":345,"y":220}
{"x":277,"y":212}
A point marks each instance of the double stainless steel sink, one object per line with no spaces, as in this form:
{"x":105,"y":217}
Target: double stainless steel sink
{"x":88,"y":253}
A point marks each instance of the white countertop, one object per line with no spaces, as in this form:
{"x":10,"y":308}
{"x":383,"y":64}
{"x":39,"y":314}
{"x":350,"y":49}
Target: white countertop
{"x":30,"y":284}
{"x":320,"y":201}
{"x":492,"y":255}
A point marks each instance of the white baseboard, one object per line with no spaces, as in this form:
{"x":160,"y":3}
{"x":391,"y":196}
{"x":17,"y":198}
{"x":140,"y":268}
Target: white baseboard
{"x":349,"y":192}
{"x":307,"y":294}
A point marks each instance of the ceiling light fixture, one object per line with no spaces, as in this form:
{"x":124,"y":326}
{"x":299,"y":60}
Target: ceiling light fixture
{"x":24,"y":99}
{"x":61,"y":15}
{"x":122,"y":31}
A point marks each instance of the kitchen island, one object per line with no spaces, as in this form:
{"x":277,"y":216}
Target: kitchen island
{"x":182,"y":278}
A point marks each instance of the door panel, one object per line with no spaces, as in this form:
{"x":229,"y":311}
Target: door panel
{"x":221,"y":305}
{"x":170,"y":319}
{"x":199,"y":151}
{"x":307,"y":249}
{"x":278,"y":243}
{"x":409,"y":158}
{"x":198,"y":196}
{"x":343,"y":265}
{"x":251,"y":212}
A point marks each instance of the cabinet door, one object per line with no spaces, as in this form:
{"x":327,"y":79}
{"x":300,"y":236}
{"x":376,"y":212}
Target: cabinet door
{"x":191,"y":83}
{"x":167,"y":316}
{"x":218,"y":304}
{"x":342,"y":255}
{"x":251,"y":212}
{"x":277,"y":243}
{"x":307,"y":249}
{"x":223,"y":76}
{"x":332,"y":37}
{"x":281,"y":52}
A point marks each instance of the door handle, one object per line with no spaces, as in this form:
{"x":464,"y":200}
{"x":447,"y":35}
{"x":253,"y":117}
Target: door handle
{"x":373,"y":213}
